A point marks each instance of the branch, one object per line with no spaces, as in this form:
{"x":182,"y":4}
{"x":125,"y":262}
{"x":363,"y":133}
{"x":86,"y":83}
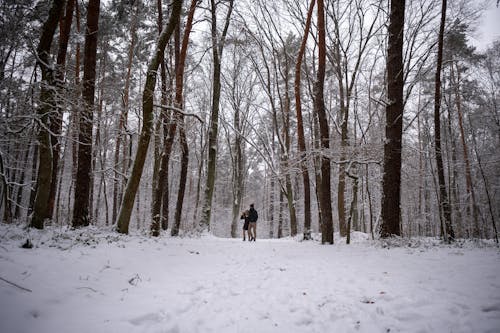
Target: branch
{"x":15,"y":285}
{"x":177,"y":110}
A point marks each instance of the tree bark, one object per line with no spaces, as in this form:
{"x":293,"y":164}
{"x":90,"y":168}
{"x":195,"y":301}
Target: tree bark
{"x":391,"y":182}
{"x":179,"y":118}
{"x":300,"y":128}
{"x":81,"y":214}
{"x":319,"y":108}
{"x":147,"y":106}
{"x":121,"y":138}
{"x":44,"y":175}
{"x":217,"y":49}
{"x":56,"y":121}
{"x":471,"y":195}
{"x":444,"y":205}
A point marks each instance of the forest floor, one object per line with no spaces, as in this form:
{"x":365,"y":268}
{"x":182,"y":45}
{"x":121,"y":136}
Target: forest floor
{"x":94,"y":281}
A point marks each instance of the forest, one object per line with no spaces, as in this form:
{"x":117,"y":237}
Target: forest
{"x":172,"y":117}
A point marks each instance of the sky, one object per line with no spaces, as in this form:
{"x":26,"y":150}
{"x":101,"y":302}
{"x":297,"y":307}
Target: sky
{"x":489,"y":27}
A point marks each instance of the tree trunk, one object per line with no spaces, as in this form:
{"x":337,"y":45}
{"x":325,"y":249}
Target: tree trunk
{"x":44,"y":176}
{"x":238,"y":173}
{"x":444,"y":205}
{"x":147,"y":105}
{"x":56,"y":119}
{"x":486,"y":188}
{"x":471,"y":195}
{"x":217,"y":48}
{"x":391,"y":183}
{"x":319,"y":108}
{"x":81,"y":214}
{"x":179,"y":118}
{"x":122,"y":122}
{"x":300,"y":128}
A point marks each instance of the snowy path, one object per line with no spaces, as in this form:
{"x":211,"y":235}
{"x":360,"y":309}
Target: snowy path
{"x":220,"y":285}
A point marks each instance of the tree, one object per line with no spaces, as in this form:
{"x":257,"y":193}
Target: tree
{"x":217,"y":49}
{"x":391,"y":182}
{"x":147,"y":107}
{"x":178,"y":119}
{"x":319,"y":108}
{"x":57,"y":117}
{"x":444,"y":205}
{"x":81,"y":214}
{"x":47,"y":99}
{"x":300,"y":127}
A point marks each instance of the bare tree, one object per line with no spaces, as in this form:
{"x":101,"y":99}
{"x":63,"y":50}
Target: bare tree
{"x":47,"y":100}
{"x":319,"y":108}
{"x":444,"y":205}
{"x":217,"y":49}
{"x":300,"y":128}
{"x":147,"y":106}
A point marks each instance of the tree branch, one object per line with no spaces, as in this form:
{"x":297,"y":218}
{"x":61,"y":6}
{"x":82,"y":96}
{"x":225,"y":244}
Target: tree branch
{"x":177,"y":110}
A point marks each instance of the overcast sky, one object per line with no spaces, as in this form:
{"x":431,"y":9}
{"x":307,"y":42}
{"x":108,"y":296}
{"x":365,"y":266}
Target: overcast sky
{"x":489,"y":29}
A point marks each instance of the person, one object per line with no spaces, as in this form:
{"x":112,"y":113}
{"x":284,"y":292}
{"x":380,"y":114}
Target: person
{"x":245,"y":216}
{"x":252,"y":217}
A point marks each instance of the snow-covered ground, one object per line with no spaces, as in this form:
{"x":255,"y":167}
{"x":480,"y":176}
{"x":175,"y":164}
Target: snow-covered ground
{"x":90,"y":281}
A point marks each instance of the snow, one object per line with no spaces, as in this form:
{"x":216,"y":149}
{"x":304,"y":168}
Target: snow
{"x":94,"y":281}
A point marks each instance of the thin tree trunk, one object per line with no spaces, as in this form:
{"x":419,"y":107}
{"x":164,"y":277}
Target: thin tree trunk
{"x":468,"y":177}
{"x":301,"y":142}
{"x":22,"y":178}
{"x":370,"y":208}
{"x":486,"y":187}
{"x":319,"y":108}
{"x":56,"y":119}
{"x":237,"y":174}
{"x":280,"y":216}
{"x":179,"y":96}
{"x":7,"y":213}
{"x":217,"y":49}
{"x":147,"y":105}
{"x":444,"y":205}
{"x":122,"y":122}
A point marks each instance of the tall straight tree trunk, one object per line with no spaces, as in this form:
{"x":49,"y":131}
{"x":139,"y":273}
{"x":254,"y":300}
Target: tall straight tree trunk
{"x":56,"y":119}
{"x":217,"y":49}
{"x":179,"y":103}
{"x":147,"y":106}
{"x":486,"y":188}
{"x":44,"y":176}
{"x":391,"y":183}
{"x":160,"y":172}
{"x":81,"y":214}
{"x":471,"y":195}
{"x":22,"y":177}
{"x":300,"y":128}
{"x":286,"y":153}
{"x":319,"y":108}
{"x":122,"y":122}
{"x":5,"y":197}
{"x":444,"y":205}
{"x":237,"y":173}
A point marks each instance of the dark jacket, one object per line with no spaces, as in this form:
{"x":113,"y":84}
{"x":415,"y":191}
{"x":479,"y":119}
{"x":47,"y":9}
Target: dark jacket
{"x":245,"y":216}
{"x":252,"y":215}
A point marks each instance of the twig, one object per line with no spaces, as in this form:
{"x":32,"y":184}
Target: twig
{"x":173,"y":108}
{"x":92,"y":289}
{"x":15,"y":285}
